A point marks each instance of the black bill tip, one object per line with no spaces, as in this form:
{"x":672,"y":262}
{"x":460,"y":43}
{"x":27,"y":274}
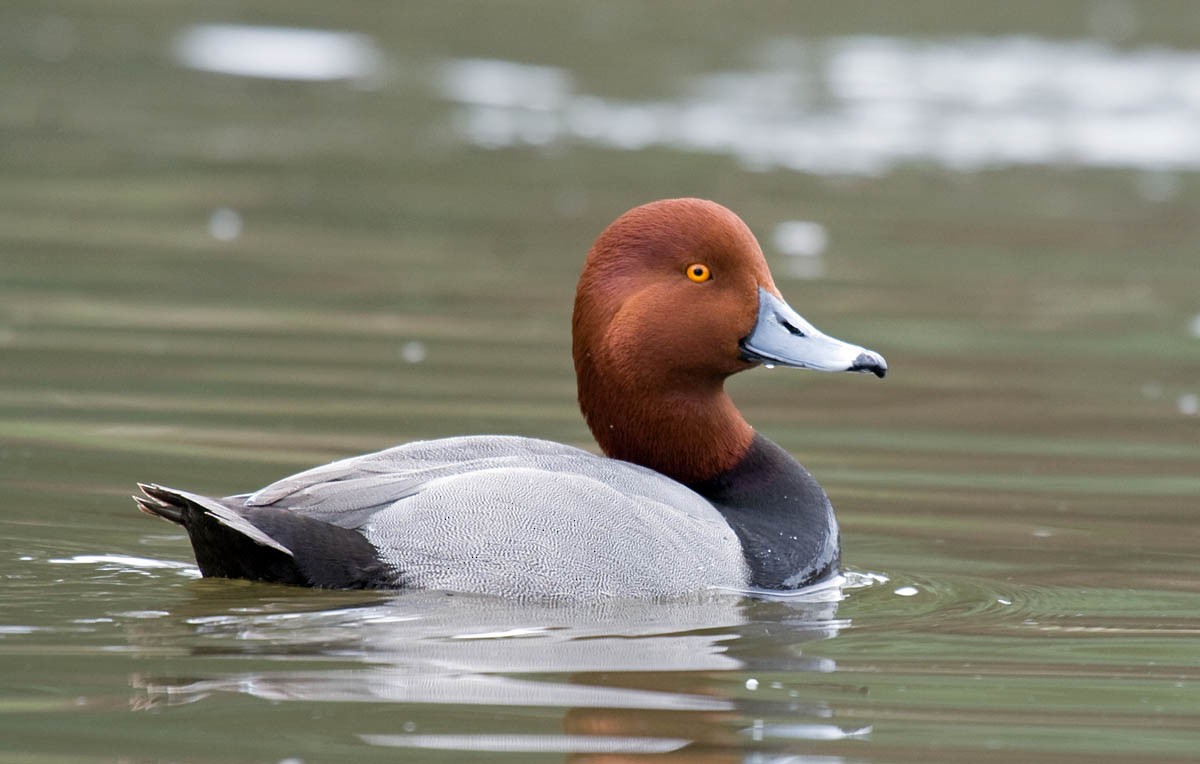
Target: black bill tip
{"x":870,"y":361}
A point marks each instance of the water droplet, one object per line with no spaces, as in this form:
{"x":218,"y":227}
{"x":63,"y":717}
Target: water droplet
{"x":751,"y":684}
{"x":768,"y":366}
{"x":1189,"y":404}
{"x":225,"y":224}
{"x":801,"y":238}
{"x":908,"y":591}
{"x":413,"y":351}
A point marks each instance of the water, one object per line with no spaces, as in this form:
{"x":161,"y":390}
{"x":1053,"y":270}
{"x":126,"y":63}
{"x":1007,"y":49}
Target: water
{"x":863,"y":104}
{"x":211,"y":280}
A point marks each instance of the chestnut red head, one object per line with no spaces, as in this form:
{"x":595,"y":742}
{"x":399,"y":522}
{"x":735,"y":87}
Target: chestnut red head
{"x":674,"y":297}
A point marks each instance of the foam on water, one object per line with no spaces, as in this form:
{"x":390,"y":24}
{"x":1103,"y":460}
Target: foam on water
{"x":865,"y":104}
{"x":280,"y":53}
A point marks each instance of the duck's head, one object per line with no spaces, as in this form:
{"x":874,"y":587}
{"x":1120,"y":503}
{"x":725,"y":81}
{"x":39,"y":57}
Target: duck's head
{"x":675,"y":296}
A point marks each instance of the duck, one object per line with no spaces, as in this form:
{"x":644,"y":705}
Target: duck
{"x":675,"y":297}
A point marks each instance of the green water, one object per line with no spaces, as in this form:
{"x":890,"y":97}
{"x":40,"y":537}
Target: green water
{"x":1018,"y":498}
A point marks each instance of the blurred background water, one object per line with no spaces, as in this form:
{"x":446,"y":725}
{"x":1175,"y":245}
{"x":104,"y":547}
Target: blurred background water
{"x":239,"y":239}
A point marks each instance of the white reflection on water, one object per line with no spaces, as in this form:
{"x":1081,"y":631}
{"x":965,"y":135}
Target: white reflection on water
{"x":803,"y":241}
{"x":862,"y":105}
{"x":505,"y":84}
{"x":805,"y":731}
{"x":800,"y":238}
{"x":124,"y":563}
{"x":426,"y":647}
{"x":512,"y":743}
{"x":401,"y":685}
{"x":279,"y":53}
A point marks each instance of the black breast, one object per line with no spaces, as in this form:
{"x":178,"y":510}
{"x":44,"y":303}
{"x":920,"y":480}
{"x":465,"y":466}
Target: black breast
{"x":781,"y":516}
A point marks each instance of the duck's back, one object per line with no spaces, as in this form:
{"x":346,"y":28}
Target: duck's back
{"x":514,"y":517}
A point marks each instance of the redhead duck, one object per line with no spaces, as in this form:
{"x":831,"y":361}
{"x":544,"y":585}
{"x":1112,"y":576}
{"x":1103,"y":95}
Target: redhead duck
{"x":675,"y":296}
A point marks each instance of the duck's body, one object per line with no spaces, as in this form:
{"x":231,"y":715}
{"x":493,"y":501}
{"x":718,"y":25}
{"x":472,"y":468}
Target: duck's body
{"x":518,"y":517}
{"x":674,"y":298}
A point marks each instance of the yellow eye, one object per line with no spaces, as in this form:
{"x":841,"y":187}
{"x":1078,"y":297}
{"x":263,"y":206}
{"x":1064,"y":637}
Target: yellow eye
{"x":698,"y":272}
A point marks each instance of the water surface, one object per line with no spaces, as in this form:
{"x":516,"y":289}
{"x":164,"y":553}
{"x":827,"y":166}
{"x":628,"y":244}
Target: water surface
{"x":214,"y":272}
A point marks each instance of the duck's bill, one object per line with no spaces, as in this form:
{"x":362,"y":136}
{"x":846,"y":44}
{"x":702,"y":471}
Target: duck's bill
{"x":782,"y":337}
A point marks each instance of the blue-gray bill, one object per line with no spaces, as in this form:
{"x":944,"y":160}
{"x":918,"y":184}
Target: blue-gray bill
{"x":783,"y":337}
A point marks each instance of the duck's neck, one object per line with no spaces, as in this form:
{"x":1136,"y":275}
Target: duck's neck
{"x":688,"y":436}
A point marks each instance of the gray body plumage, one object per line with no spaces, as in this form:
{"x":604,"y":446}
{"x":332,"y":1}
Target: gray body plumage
{"x":519,"y":517}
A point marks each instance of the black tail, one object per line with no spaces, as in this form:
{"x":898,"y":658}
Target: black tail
{"x":269,"y":544}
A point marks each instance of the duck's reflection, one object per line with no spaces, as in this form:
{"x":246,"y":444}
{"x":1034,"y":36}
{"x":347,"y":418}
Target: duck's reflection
{"x":634,"y":678}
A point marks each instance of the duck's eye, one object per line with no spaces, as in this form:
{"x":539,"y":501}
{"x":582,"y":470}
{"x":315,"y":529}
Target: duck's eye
{"x":699,"y":272}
